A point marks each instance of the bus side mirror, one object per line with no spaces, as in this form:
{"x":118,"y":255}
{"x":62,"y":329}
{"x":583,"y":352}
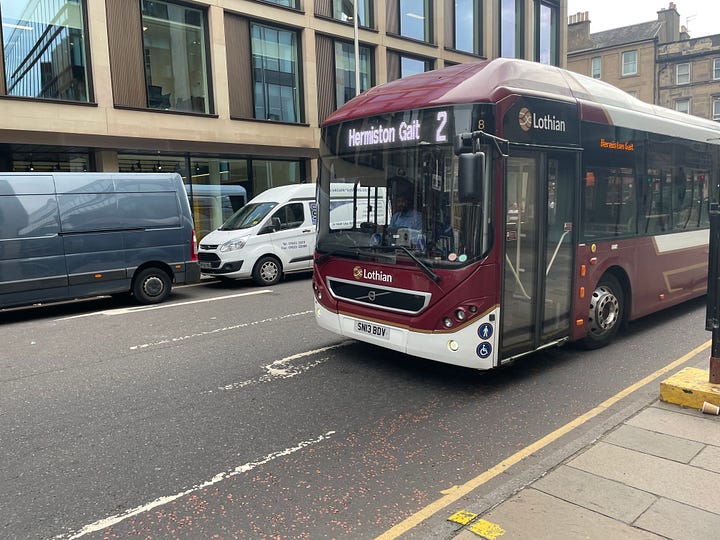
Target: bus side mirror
{"x":471,"y":177}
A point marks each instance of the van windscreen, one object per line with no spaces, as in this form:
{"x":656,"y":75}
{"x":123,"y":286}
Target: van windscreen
{"x":248,"y":216}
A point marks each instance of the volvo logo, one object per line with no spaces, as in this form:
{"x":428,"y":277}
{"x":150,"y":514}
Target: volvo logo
{"x":371,"y":296}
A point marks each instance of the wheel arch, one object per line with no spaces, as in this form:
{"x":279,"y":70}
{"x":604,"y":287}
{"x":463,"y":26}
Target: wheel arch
{"x":153,"y":264}
{"x":621,"y":275}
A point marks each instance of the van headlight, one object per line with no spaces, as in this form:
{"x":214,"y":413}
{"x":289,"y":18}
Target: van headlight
{"x":234,"y":245}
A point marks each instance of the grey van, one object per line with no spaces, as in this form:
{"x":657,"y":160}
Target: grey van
{"x":72,"y":235}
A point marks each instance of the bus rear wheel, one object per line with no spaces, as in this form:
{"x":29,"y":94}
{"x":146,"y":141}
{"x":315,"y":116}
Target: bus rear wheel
{"x":607,"y":308}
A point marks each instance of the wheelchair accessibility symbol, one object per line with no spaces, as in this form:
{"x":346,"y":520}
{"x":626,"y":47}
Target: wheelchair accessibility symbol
{"x":484,"y":350}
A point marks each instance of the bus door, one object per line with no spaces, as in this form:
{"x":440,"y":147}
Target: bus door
{"x":538,"y":257}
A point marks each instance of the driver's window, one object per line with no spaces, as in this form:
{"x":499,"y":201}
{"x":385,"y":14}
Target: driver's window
{"x":289,"y":216}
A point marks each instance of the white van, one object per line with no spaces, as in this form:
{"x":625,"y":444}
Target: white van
{"x":272,"y":235}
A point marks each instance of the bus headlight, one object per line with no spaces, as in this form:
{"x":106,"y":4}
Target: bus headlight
{"x":447,"y":322}
{"x":460,"y":314}
{"x":453,"y":345}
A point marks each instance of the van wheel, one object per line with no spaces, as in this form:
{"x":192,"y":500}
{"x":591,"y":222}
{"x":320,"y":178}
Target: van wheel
{"x":151,"y":286}
{"x":606,"y":312}
{"x":267,"y":271}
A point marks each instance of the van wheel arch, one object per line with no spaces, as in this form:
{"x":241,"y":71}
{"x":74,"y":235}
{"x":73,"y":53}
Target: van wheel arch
{"x":151,"y":284}
{"x":268,"y":270}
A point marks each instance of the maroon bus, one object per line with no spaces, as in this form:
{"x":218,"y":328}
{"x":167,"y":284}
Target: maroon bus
{"x":477,"y":213}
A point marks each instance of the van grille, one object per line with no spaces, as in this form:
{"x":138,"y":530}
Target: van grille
{"x":208,"y":246}
{"x":379,"y":296}
{"x":208,"y":257}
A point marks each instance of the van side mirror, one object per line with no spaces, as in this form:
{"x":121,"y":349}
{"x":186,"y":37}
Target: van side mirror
{"x":471,"y":177}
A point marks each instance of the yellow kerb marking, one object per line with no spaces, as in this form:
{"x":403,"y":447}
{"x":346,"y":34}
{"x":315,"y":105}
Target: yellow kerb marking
{"x":462,"y":490}
{"x":462,"y":517}
{"x":487,"y":529}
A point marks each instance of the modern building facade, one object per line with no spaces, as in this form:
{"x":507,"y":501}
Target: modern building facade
{"x":655,"y":61}
{"x":228,"y":93}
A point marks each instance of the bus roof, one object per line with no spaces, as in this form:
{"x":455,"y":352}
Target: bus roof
{"x":490,"y":81}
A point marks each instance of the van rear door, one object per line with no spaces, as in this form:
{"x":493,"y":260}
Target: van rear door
{"x":32,"y":262}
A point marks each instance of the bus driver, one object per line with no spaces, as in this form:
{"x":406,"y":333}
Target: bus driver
{"x":403,"y":213}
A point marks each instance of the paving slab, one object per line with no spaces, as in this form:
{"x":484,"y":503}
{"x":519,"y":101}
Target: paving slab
{"x":700,"y":427}
{"x":679,"y":521}
{"x":656,"y":444}
{"x":677,"y":481}
{"x":534,"y":514}
{"x":595,"y":493}
{"x":708,"y":458}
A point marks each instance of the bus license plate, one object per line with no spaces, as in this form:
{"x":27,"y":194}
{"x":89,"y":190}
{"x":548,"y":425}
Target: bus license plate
{"x":371,"y":329}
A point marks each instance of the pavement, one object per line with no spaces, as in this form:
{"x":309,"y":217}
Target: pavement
{"x":653,"y":474}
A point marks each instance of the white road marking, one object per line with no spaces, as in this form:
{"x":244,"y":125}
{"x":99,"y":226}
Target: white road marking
{"x":113,"y":520}
{"x":138,"y":309}
{"x":280,"y":369}
{"x":218,"y":330}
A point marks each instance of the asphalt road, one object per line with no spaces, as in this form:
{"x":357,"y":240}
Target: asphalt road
{"x":227,"y":413}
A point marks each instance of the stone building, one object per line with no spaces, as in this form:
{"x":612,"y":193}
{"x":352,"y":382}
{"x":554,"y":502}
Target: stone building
{"x":655,"y":61}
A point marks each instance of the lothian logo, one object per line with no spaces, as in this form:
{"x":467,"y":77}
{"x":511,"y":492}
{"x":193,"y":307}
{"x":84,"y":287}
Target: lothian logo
{"x":375,"y":275}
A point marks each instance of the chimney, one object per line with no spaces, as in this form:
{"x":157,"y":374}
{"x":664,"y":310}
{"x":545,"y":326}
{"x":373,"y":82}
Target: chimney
{"x":670,"y":29}
{"x":684,"y":34}
{"x":579,"y":31}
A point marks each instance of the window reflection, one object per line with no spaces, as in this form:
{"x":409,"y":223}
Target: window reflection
{"x":413,"y":66}
{"x":175,"y":57}
{"x":44,"y":46}
{"x":276,"y":77}
{"x":511,"y":31}
{"x":547,"y":34}
{"x":415,"y":19}
{"x":343,"y":11}
{"x":345,"y":71}
{"x":468,"y":26}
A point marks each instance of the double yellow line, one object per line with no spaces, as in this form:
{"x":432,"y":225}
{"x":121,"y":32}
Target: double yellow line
{"x":457,"y":492}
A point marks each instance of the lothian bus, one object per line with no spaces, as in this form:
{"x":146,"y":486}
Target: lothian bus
{"x":552,"y":207}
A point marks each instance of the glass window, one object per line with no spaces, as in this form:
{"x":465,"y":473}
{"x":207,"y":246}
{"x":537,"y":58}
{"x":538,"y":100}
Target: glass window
{"x":286,"y":3}
{"x":175,"y":56}
{"x":596,"y":68}
{"x":683,"y":105}
{"x":511,"y":28}
{"x":413,"y":66}
{"x":682,"y":74}
{"x":345,"y":71}
{"x":267,"y":174}
{"x":468,"y":26}
{"x":276,"y":78}
{"x":629,"y":63}
{"x":343,"y":11}
{"x":290,"y":216}
{"x":546,"y":33}
{"x":44,"y":45}
{"x":415,"y":19}
{"x":716,"y":109}
{"x":716,"y":68}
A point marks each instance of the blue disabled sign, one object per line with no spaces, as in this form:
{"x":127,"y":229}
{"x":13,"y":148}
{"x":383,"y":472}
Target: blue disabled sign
{"x":484,"y":350}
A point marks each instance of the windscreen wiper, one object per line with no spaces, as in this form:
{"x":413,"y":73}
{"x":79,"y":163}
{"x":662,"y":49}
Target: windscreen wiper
{"x":425,"y":268}
{"x":331,"y":253}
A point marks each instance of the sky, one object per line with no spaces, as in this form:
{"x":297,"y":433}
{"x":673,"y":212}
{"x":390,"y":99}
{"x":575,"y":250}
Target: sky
{"x":701,"y":17}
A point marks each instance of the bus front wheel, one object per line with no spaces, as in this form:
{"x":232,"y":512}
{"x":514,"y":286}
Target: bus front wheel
{"x":607,"y":307}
